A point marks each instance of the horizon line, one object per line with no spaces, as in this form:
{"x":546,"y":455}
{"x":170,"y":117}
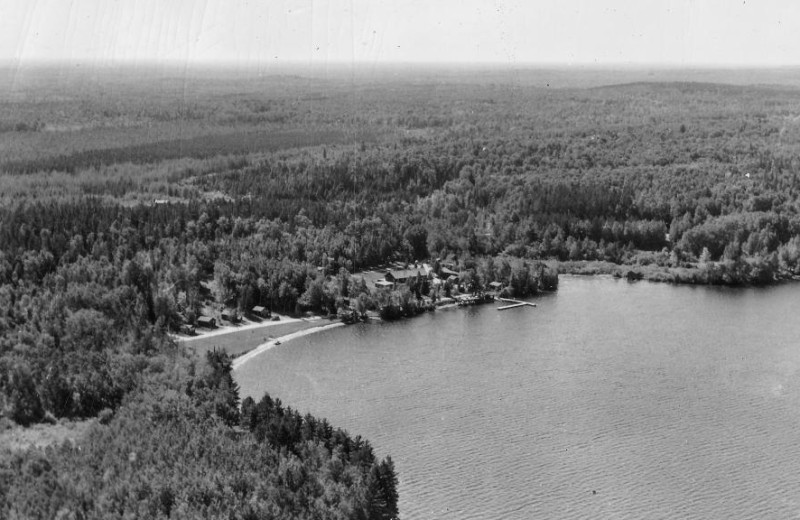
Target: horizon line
{"x":342,"y":64}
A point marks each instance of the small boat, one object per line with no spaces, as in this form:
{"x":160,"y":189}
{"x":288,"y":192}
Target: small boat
{"x":475,"y":299}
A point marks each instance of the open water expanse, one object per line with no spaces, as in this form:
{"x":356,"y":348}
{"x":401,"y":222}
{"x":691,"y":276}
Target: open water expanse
{"x":609,"y":400}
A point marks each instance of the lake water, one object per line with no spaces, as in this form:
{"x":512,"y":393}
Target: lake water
{"x":609,"y":400}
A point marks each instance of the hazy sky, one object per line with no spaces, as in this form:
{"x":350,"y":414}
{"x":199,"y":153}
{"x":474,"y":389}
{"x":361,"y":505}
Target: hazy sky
{"x":671,"y":32}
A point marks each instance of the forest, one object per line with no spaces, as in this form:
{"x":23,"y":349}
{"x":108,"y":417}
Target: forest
{"x":170,"y":453}
{"x":132,"y":204}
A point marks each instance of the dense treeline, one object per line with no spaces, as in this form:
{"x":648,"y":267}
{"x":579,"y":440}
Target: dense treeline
{"x":89,"y":288}
{"x":126,"y":214}
{"x":704,"y":190}
{"x":173,"y":454}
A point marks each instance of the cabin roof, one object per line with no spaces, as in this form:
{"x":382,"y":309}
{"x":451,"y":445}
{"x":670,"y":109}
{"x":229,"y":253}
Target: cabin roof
{"x":401,"y":274}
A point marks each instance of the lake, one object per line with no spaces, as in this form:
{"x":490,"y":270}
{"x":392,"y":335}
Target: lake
{"x":609,"y":400}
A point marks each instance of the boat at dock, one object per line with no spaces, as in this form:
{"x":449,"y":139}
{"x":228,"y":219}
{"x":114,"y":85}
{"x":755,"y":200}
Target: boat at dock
{"x":474,"y":299}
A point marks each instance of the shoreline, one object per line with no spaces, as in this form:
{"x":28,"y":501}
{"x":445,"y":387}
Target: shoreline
{"x":246,"y":356}
{"x":575,"y":268}
{"x":239,"y":361}
{"x":712,"y":274}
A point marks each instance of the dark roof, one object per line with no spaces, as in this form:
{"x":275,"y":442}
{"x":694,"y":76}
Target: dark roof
{"x":400,"y":274}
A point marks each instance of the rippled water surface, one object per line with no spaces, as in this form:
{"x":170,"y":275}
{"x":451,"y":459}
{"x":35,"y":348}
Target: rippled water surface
{"x":608,"y":400}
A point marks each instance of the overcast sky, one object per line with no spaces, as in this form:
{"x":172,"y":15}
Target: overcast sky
{"x":570,"y":32}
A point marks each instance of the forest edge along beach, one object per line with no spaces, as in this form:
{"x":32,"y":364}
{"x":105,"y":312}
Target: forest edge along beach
{"x":141,"y":206}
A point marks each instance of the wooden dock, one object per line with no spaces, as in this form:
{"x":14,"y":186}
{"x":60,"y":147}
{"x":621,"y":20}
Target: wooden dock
{"x":514,"y":304}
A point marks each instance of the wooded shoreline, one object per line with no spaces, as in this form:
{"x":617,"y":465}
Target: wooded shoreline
{"x":132,"y":209}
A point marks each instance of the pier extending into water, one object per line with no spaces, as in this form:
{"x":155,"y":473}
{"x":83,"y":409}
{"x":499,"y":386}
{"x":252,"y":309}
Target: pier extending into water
{"x":514,"y":304}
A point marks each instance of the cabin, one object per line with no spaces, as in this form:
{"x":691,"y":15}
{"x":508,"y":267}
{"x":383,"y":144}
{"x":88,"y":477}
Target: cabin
{"x":446,"y":273}
{"x":401,"y":275}
{"x":495,"y":286}
{"x":188,"y":330}
{"x":207,"y":322}
{"x":261,"y":312}
{"x":383,"y":284}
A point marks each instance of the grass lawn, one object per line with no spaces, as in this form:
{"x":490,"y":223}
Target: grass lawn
{"x":14,"y":437}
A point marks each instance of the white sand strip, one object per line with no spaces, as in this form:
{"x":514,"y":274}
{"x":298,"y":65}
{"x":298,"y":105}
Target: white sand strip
{"x":241,"y":360}
{"x":228,"y":329}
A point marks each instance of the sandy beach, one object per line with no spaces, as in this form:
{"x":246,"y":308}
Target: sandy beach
{"x":241,"y":360}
